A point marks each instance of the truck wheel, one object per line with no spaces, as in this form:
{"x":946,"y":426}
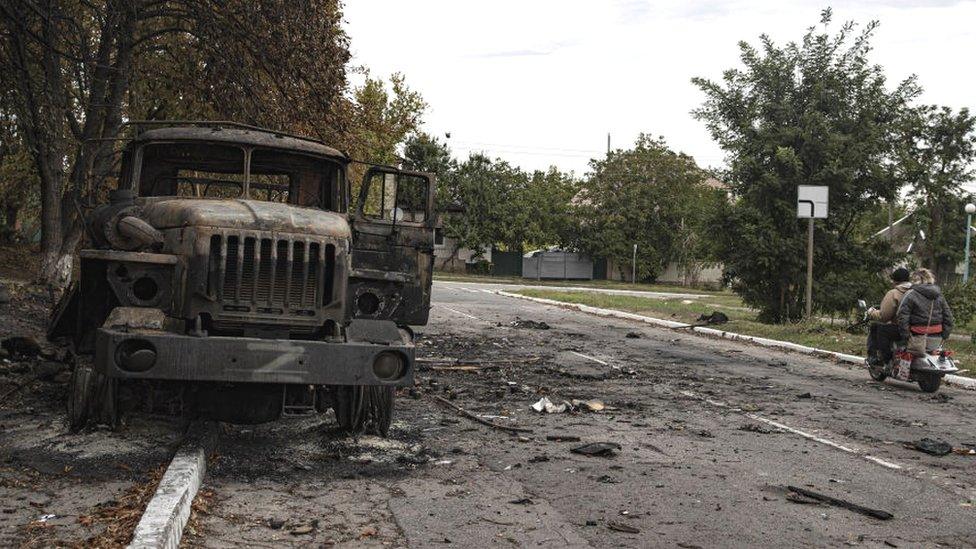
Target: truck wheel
{"x":347,"y":402}
{"x":378,"y":409}
{"x":80,"y":390}
{"x":92,"y":397}
{"x":929,"y":383}
{"x":360,"y":408}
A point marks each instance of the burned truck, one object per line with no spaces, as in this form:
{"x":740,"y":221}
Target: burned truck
{"x":228,"y":277}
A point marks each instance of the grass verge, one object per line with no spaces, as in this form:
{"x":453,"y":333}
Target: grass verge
{"x":814,"y":333}
{"x":608,"y":284}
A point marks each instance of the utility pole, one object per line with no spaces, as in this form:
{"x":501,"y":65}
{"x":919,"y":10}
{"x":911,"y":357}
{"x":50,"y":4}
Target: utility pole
{"x":608,"y":143}
{"x":633,"y":267}
{"x":809,"y":294}
{"x":970,"y":209}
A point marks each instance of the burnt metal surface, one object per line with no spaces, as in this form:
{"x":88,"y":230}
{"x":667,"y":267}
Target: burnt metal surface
{"x":373,"y":331}
{"x":233,"y":213}
{"x":236,"y":136}
{"x":262,"y":277}
{"x":252,"y":360}
{"x":192,"y":282}
{"x":392,"y":261}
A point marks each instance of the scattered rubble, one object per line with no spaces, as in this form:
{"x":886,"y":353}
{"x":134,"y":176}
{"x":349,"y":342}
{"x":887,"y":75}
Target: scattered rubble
{"x":802,"y":495}
{"x":621,"y":527}
{"x":575,"y":405}
{"x":530,"y":324}
{"x":600,"y":449}
{"x":21,"y":347}
{"x":931,"y":446}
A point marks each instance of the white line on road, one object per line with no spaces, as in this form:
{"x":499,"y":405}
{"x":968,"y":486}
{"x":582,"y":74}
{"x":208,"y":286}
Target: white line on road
{"x":459,"y":312}
{"x":804,"y":434}
{"x":588,"y":357}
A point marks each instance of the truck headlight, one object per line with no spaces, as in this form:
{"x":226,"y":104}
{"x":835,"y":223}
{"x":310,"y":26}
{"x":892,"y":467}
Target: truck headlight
{"x":389,"y":366}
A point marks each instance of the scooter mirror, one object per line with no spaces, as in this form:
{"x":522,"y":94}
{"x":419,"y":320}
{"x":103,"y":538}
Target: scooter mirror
{"x":862,"y":305}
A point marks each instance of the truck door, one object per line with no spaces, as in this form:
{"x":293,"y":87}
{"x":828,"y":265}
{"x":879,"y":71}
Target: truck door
{"x":393,"y":247}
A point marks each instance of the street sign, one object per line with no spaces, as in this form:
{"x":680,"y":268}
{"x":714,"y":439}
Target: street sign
{"x":811,"y":202}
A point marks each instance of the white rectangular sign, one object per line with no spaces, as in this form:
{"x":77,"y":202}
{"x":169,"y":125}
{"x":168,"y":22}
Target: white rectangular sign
{"x":811,"y":201}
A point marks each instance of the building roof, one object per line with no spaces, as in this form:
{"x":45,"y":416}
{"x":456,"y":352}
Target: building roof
{"x":219,"y":132}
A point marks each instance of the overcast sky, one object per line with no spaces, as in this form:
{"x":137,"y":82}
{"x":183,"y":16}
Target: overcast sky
{"x":542,"y":82}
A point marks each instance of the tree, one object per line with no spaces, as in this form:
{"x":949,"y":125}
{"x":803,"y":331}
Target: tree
{"x":425,"y":153}
{"x":935,"y":149}
{"x":815,"y":112}
{"x":650,"y":196}
{"x":76,"y":70}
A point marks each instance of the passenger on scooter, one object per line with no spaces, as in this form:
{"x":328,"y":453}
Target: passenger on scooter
{"x":924,"y":310}
{"x":884,"y":331}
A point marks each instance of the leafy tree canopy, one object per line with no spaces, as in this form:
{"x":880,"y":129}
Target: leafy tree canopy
{"x":648,"y":195}
{"x":815,"y":112}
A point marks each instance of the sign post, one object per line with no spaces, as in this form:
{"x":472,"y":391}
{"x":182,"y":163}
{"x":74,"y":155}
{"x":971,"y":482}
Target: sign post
{"x":633,"y":267}
{"x":811,"y":203}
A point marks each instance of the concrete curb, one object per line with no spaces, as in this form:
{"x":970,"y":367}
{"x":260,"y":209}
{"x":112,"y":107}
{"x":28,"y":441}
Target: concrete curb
{"x":958,"y":381}
{"x":161,"y":525}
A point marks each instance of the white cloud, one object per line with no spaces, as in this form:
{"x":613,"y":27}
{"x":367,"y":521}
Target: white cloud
{"x":542,"y":82}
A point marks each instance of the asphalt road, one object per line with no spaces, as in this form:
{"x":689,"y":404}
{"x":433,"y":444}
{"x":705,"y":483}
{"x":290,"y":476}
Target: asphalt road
{"x":710,"y":431}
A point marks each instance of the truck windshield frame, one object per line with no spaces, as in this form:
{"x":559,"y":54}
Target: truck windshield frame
{"x":194,"y":169}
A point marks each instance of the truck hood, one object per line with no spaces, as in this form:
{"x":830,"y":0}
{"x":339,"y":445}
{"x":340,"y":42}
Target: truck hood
{"x":254,"y":215}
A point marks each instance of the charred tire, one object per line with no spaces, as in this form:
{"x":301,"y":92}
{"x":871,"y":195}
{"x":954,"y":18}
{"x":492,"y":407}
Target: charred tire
{"x":928,"y":382}
{"x":364,"y":409}
{"x":80,"y":390}
{"x":92,"y":398}
{"x":378,"y":409}
{"x":347,"y":402}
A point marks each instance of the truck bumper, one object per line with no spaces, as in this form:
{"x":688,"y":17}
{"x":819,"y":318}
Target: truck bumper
{"x":246,"y":360}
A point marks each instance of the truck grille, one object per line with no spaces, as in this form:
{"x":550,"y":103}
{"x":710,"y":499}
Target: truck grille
{"x":271,"y":276}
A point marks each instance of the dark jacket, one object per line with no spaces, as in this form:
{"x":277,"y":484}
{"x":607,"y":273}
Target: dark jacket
{"x":918,"y":303}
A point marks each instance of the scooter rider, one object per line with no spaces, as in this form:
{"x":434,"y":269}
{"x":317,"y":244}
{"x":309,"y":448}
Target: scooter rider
{"x":924,"y":309}
{"x":884,"y":331}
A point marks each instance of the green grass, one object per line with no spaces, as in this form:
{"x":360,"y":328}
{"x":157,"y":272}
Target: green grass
{"x":815,"y":333}
{"x":609,"y":284}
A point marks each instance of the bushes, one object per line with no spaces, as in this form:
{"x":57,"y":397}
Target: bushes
{"x":962,"y":301}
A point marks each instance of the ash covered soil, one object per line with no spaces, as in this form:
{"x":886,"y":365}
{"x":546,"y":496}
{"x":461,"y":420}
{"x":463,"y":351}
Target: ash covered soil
{"x":702,"y":439}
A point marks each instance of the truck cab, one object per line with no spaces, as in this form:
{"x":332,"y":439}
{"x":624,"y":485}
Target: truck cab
{"x":229,"y":269}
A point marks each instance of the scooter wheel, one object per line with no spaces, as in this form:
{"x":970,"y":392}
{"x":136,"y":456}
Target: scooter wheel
{"x":929,"y":383}
{"x":877,"y":373}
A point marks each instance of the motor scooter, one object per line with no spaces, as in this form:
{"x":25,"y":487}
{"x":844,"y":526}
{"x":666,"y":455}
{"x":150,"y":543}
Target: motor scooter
{"x":927,"y":370}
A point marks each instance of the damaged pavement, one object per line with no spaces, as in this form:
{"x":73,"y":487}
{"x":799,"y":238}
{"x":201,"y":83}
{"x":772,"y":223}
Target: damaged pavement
{"x":664,"y":439}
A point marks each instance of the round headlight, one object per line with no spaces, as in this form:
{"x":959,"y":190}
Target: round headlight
{"x":388,"y":366}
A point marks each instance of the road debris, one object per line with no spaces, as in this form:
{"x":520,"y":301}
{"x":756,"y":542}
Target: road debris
{"x":575,"y":405}
{"x":474,"y":417}
{"x":621,"y":527}
{"x":522,"y":501}
{"x":600,"y":449}
{"x":803,"y":396}
{"x":530,"y":324}
{"x":795,"y":494}
{"x":756,"y":428}
{"x":303,"y":529}
{"x":717,"y":317}
{"x":562,"y":438}
{"x":549,"y":407}
{"x":931,"y":447}
{"x":633,"y":335}
{"x":21,"y":346}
